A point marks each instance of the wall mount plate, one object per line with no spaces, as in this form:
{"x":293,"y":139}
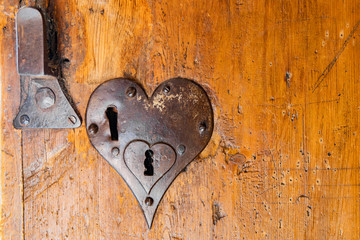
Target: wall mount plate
{"x":46,"y":105}
{"x":149,"y":140}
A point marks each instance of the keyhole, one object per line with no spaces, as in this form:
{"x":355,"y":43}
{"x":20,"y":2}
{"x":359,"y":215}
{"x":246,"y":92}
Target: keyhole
{"x":111,"y":114}
{"x":148,"y":163}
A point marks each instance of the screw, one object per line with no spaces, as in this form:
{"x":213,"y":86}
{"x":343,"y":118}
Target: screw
{"x":149,"y":201}
{"x":72,"y":119}
{"x":166,"y":89}
{"x":115,"y":151}
{"x":45,"y":97}
{"x":181,"y":149}
{"x":202,"y":127}
{"x":24,"y":120}
{"x":131,"y":92}
{"x":93,"y":129}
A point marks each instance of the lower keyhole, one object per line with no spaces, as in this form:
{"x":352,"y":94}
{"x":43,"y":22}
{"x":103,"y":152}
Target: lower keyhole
{"x":148,"y":163}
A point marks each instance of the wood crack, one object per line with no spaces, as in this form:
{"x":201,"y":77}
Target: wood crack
{"x":332,"y":63}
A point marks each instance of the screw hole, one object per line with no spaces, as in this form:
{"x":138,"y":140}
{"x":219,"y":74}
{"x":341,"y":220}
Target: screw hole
{"x":24,"y":120}
{"x":72,"y":119}
{"x":181,"y":149}
{"x":202,"y":127}
{"x":93,"y":129}
{"x":149,"y":201}
{"x":131,"y":92}
{"x":166,"y":89}
{"x":115,"y":151}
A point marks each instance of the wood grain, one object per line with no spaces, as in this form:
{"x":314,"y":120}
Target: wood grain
{"x":283,"y":162}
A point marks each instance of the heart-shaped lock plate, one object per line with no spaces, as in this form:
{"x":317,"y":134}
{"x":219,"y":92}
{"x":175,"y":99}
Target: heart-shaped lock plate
{"x":149,"y":141}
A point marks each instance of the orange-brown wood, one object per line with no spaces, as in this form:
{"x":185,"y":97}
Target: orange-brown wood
{"x":283,"y":162}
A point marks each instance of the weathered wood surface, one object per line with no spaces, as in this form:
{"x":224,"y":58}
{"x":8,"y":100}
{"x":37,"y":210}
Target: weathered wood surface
{"x":283,"y":163}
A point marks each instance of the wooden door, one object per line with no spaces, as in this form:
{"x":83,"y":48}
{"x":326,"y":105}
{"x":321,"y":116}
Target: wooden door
{"x":283,"y":162}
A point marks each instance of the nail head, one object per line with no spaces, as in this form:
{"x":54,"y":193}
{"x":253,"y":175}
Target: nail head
{"x":149,"y":201}
{"x":24,"y":120}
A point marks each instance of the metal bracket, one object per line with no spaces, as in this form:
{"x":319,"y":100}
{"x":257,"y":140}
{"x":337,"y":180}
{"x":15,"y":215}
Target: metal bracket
{"x":149,"y":140}
{"x":46,"y":105}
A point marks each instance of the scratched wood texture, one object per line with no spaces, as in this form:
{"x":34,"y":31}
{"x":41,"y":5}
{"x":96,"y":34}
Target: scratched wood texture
{"x":284,"y":80}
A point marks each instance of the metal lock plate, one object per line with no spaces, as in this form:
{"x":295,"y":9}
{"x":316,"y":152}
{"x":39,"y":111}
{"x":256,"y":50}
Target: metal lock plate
{"x":149,"y":141}
{"x":46,"y":105}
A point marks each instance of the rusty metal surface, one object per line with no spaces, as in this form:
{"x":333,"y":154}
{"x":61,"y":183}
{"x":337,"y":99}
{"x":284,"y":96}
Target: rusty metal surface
{"x":46,"y":106}
{"x":149,"y":140}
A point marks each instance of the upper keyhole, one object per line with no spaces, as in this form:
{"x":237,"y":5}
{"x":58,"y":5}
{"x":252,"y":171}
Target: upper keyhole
{"x":112,"y":114}
{"x":148,"y":163}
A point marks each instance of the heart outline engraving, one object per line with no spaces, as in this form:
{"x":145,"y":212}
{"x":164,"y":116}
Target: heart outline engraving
{"x":134,"y":153}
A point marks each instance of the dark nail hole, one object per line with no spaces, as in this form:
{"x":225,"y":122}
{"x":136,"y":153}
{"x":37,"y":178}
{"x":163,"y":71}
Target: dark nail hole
{"x":148,"y":163}
{"x":65,"y":62}
{"x":111,"y":114}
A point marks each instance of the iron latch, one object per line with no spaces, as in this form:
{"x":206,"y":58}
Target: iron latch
{"x":45,"y":106}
